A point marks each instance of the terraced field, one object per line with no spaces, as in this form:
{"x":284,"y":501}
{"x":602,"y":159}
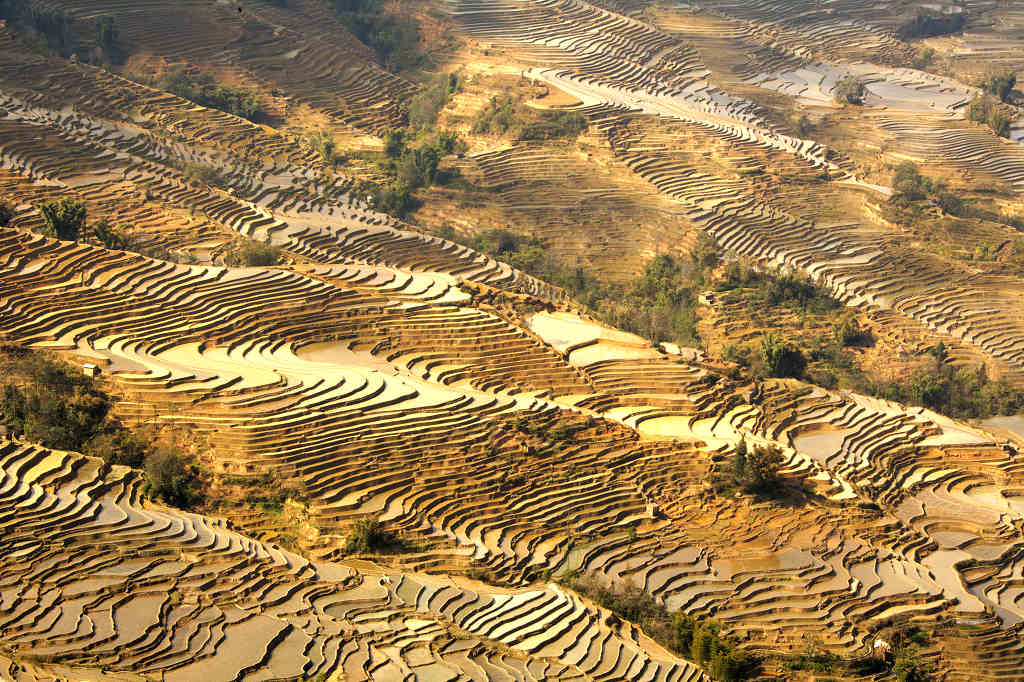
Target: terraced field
{"x":518,"y":446}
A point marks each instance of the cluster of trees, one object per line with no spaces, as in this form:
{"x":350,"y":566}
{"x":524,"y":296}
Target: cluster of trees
{"x":49,"y":403}
{"x":425,"y":105}
{"x":66,"y":219}
{"x":412,"y":167}
{"x":53,"y":26}
{"x":255,"y":254}
{"x":770,"y":288}
{"x":203,"y":89}
{"x":753,"y":470}
{"x":369,"y":536}
{"x":909,"y":186}
{"x":999,"y":84}
{"x":960,"y":392}
{"x":987,"y":111}
{"x":396,"y":40}
{"x":697,"y":639}
{"x":930,"y":24}
{"x":509,"y":116}
{"x":780,"y":358}
{"x":660,"y":304}
{"x":914,"y":194}
{"x":850,"y":90}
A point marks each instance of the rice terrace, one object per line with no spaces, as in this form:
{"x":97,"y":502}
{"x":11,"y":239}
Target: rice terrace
{"x":511,"y":340}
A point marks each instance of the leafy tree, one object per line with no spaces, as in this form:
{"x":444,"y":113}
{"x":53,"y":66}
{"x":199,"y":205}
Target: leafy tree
{"x":999,"y":83}
{"x":425,"y":106}
{"x":64,"y":218}
{"x":171,"y":478}
{"x":952,"y":204}
{"x":108,"y":36}
{"x":368,"y":536}
{"x":110,"y":237}
{"x":762,"y":470}
{"x":51,"y":404}
{"x":118,"y":446}
{"x":908,"y":666}
{"x":257,"y":254}
{"x":739,"y":460}
{"x":780,"y":358}
{"x":850,"y":89}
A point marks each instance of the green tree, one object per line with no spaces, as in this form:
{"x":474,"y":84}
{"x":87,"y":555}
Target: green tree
{"x":851,"y":90}
{"x":999,"y":83}
{"x":6,"y":213}
{"x":110,"y":237}
{"x":64,"y":218}
{"x":908,"y":666}
{"x":780,"y":358}
{"x":171,"y":478}
{"x":739,"y":460}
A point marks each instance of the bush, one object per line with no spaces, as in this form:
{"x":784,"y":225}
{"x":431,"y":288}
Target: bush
{"x":850,"y":90}
{"x":171,"y":478}
{"x":200,"y":172}
{"x":924,"y":57}
{"x":6,"y":213}
{"x":64,"y":218}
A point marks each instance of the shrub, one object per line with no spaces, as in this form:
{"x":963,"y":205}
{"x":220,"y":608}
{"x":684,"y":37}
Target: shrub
{"x":171,"y":478}
{"x":924,"y":57}
{"x":851,"y":90}
{"x":64,"y":218}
